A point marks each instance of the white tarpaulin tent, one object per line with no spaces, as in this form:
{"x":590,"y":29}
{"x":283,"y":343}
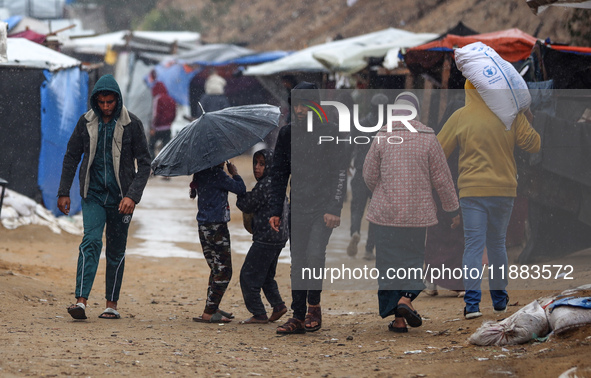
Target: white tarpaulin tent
{"x":345,"y":55}
{"x":350,"y":58}
{"x":21,"y":52}
{"x":100,"y":44}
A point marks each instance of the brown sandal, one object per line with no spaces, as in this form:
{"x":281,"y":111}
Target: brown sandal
{"x":314,"y":316}
{"x":292,"y":326}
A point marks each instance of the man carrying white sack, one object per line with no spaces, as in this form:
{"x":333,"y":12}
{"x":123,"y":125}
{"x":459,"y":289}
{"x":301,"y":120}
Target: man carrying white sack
{"x":488,"y":185}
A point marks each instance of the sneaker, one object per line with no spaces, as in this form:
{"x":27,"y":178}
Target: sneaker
{"x":472,"y":315}
{"x":501,"y":310}
{"x":352,"y":248}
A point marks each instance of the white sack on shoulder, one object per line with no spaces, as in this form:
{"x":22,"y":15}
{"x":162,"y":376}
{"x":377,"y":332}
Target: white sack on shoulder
{"x":499,"y":84}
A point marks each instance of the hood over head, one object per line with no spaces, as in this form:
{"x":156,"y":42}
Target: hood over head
{"x":267,"y":153}
{"x":304,"y":91}
{"x":106,"y":83}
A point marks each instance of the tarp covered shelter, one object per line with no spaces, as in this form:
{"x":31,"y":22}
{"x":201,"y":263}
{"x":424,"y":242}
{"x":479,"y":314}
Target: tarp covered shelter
{"x":559,"y":184}
{"x":43,"y":94}
{"x":511,"y":44}
{"x":176,"y":72}
{"x":345,"y":55}
{"x":130,"y":56}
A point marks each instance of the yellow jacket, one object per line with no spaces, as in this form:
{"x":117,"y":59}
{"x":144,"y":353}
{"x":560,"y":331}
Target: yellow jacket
{"x":486,"y":163}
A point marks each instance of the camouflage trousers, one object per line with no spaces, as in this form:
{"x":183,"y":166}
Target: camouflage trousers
{"x":215,"y":241}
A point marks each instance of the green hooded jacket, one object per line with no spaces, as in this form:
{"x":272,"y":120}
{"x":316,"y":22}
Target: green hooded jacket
{"x":128,"y":149}
{"x":103,"y":187}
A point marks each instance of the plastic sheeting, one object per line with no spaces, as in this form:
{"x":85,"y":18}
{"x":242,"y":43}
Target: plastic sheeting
{"x":345,"y":55}
{"x":64,"y":98}
{"x":177,"y":73}
{"x":176,"y":78}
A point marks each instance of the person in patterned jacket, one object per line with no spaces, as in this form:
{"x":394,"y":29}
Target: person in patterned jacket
{"x":401,"y":176}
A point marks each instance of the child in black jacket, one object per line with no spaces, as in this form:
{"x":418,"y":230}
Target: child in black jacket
{"x":258,"y":270}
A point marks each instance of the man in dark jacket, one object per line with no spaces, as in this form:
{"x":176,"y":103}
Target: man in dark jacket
{"x":259,"y":267}
{"x":318,"y":178}
{"x":110,"y":141}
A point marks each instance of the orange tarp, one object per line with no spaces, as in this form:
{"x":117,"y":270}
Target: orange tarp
{"x":511,"y":44}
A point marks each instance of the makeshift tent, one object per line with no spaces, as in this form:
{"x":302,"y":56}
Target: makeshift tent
{"x":177,"y":71}
{"x":559,"y":185}
{"x":43,"y":94}
{"x":100,"y":44}
{"x":511,"y":44}
{"x":131,"y":56}
{"x":345,"y":55}
{"x":352,"y":57}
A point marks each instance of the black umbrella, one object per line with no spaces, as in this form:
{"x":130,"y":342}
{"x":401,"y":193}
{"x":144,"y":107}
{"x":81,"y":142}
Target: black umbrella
{"x":214,"y":138}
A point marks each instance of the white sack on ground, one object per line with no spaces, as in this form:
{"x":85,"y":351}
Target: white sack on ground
{"x":499,"y":84}
{"x":572,"y":313}
{"x":19,"y":210}
{"x":526,"y":324}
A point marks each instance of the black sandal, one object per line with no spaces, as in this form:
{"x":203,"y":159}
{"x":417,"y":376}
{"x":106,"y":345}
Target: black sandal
{"x":391,"y":328}
{"x":292,"y":326}
{"x":411,"y":316}
{"x":314,"y":315}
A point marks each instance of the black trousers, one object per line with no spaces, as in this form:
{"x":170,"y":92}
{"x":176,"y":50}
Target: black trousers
{"x":258,"y":272}
{"x":308,"y":238}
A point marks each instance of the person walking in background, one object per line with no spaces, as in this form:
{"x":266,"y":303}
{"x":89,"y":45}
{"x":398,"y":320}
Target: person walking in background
{"x":401,"y":177}
{"x":318,"y":179}
{"x":359,"y":191}
{"x":258,"y":269}
{"x":111,"y":142}
{"x":211,"y":187}
{"x":163,"y":115}
{"x":214,"y":97}
{"x":488,"y":185}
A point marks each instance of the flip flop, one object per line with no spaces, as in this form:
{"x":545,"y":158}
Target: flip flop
{"x":226,"y":314}
{"x":215,"y":318}
{"x":77,"y":311}
{"x":110,"y":311}
{"x":411,"y":316}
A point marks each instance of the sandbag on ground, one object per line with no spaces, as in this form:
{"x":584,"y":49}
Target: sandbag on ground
{"x":526,"y":324}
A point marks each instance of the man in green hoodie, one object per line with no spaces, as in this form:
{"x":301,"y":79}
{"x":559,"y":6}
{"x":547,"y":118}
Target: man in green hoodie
{"x":111,"y":142}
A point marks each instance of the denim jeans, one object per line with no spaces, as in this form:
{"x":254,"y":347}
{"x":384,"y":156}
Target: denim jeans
{"x":485,"y":224}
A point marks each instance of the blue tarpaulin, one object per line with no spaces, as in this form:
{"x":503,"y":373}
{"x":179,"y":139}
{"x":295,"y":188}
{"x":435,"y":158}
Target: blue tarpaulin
{"x":177,"y":78}
{"x":64,"y":98}
{"x":13,"y":21}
